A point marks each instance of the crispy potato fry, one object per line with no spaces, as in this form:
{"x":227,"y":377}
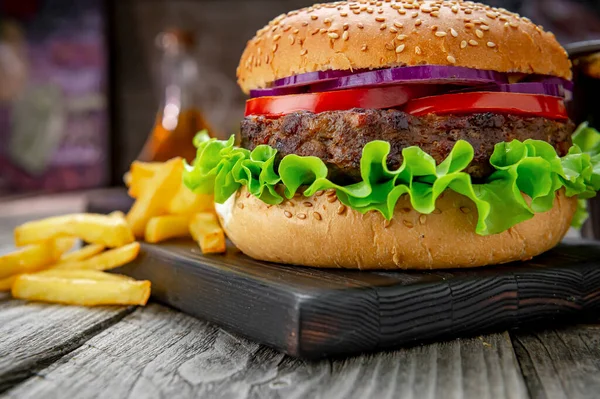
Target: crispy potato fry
{"x":7,"y":283}
{"x":33,"y":257}
{"x":139,"y":174}
{"x":92,"y":228}
{"x":127,"y":179}
{"x":161,"y":228}
{"x":117,"y":214}
{"x":84,"y":274}
{"x":206,"y":230}
{"x":80,"y":291}
{"x":153,"y":201}
{"x":185,"y":202}
{"x":81,"y":254}
{"x":106,"y":260}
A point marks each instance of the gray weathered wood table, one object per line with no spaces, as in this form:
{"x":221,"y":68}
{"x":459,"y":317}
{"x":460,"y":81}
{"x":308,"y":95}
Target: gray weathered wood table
{"x":49,"y":351}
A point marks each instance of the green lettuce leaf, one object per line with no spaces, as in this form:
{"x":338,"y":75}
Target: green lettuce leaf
{"x":531,"y":167}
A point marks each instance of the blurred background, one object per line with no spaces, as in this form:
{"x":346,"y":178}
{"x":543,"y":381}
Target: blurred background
{"x":84,"y":83}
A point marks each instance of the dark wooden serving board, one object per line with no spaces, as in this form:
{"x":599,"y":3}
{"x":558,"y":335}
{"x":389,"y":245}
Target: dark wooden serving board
{"x":313,"y":313}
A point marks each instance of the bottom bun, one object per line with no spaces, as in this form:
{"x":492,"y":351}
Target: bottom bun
{"x":321,"y":232}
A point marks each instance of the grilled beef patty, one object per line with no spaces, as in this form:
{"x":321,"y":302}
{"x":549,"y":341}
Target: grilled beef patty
{"x":338,"y":137}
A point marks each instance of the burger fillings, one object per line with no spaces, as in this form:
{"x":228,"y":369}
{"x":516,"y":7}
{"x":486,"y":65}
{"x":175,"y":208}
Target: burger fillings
{"x":408,"y":134}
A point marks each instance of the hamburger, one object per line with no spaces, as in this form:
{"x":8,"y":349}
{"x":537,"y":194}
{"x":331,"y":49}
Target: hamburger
{"x":400,"y":134}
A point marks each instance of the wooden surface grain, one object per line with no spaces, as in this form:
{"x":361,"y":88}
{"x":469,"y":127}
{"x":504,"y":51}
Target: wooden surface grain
{"x":157,"y":352}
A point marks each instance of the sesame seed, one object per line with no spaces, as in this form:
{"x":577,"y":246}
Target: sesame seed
{"x":333,"y":35}
{"x":344,"y":14}
{"x":469,"y":25}
{"x":484,"y":27}
{"x":435,"y":14}
{"x":401,"y":37}
{"x":332,"y":198}
{"x":276,"y":37}
{"x":401,"y":12}
{"x":322,"y":30}
{"x":345,"y":35}
{"x":383,"y":27}
{"x":304,"y":23}
{"x":307,"y":204}
{"x":513,"y":24}
{"x":463,"y":44}
{"x":327,"y":21}
{"x":473,"y":42}
{"x":398,"y":24}
{"x":455,"y":9}
{"x":380,"y":11}
{"x":346,"y":26}
{"x":506,"y":25}
{"x":434,"y":27}
{"x":400,"y":48}
{"x":275,"y":47}
{"x":387,"y":223}
{"x":370,"y":10}
{"x":314,"y":17}
{"x":491,"y":44}
{"x":491,"y":15}
{"x":408,"y":224}
{"x":465,"y":209}
{"x":360,"y":25}
{"x":393,"y":30}
{"x":380,"y":19}
{"x":304,"y":51}
{"x":287,"y":214}
{"x":426,"y":10}
{"x":341,"y":209}
{"x":292,"y":39}
{"x":295,"y":31}
{"x":414,"y":15}
{"x":314,"y":32}
{"x":330,"y":192}
{"x":317,"y":215}
{"x":319,"y":193}
{"x":389,"y":46}
{"x":408,"y":6}
{"x":355,"y":12}
{"x":287,"y":28}
{"x":453,"y":32}
{"x":301,"y":216}
{"x":440,"y":34}
{"x":240,"y":205}
{"x":468,"y":11}
{"x":418,"y":50}
{"x":451,"y":59}
{"x":364,"y":47}
{"x":422,"y":219}
{"x":479,"y":33}
{"x":418,"y":22}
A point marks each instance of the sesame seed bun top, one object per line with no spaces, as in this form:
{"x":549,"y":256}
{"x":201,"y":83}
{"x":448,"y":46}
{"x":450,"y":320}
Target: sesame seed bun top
{"x":379,"y":34}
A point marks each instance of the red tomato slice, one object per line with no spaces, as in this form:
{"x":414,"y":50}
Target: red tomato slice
{"x":339,"y":100}
{"x":509,"y":103}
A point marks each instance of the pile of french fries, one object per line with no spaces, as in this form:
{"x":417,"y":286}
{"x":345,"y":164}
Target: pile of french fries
{"x":164,"y":208}
{"x":44,"y":268}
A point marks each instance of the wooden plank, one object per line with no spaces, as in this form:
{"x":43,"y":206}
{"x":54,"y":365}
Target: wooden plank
{"x":34,"y":335}
{"x":561,"y":363}
{"x":157,"y":352}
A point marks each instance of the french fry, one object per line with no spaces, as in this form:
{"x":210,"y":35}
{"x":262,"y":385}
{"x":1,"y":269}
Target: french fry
{"x":96,"y":275}
{"x":150,"y":203}
{"x":7,"y":283}
{"x":207,"y":232}
{"x":92,"y":228}
{"x":81,"y":254}
{"x":185,"y":202}
{"x":106,"y":260}
{"x":34,"y":257}
{"x":117,"y":214}
{"x":139,"y":174}
{"x":161,"y":228}
{"x":127,"y":179}
{"x":80,"y":291}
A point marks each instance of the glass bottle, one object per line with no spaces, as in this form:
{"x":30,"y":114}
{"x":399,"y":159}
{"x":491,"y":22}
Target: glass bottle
{"x":179,"y":117}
